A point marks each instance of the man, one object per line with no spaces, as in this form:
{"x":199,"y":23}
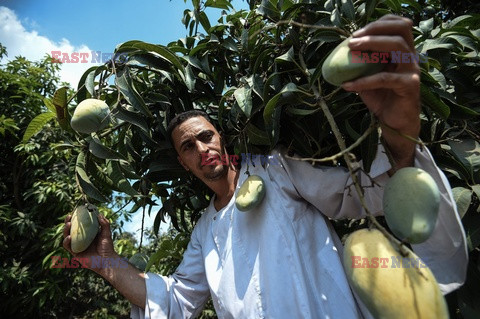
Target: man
{"x":282,"y":259}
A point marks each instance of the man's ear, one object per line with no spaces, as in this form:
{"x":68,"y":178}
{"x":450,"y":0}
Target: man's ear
{"x":182,"y":163}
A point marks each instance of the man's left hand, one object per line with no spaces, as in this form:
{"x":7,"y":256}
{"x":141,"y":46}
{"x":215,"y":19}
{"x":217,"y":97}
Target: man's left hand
{"x":394,"y":94}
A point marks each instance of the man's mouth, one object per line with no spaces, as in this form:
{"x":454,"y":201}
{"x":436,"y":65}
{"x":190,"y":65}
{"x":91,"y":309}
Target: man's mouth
{"x":210,"y":160}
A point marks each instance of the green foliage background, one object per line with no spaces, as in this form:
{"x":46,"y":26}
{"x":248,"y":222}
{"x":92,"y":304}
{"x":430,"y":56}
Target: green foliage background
{"x":257,"y":73}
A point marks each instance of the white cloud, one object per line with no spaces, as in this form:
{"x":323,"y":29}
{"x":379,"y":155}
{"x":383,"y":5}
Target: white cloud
{"x":19,"y":41}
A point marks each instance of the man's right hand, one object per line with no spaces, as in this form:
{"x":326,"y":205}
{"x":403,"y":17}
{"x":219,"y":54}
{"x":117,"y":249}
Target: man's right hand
{"x":129,"y":281}
{"x":102,"y":245}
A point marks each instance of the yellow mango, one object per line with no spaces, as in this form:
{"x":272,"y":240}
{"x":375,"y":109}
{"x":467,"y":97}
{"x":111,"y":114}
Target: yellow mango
{"x":390,"y":285}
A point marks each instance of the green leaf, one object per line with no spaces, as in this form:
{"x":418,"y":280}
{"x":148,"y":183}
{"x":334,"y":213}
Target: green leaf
{"x":335,"y":18}
{"x":204,"y":21}
{"x":101,"y":151}
{"x":84,"y":181}
{"x":370,"y":8}
{"x":36,"y":125}
{"x":90,"y":83}
{"x":162,"y":52}
{"x":454,"y":166}
{"x":230,"y":44}
{"x":476,"y":190}
{"x":426,"y":25}
{"x":130,"y":117}
{"x":194,"y":61}
{"x":59,"y":101}
{"x":220,"y":4}
{"x":286,"y":57}
{"x":257,"y":136}
{"x":329,"y":5}
{"x":471,"y":223}
{"x":83,"y":84}
{"x":463,"y":198}
{"x":243,"y":96}
{"x":465,"y":42}
{"x":124,"y":84}
{"x":348,"y":9}
{"x":114,"y":172}
{"x":467,"y":151}
{"x":48,"y":103}
{"x":190,"y":78}
{"x":157,"y":256}
{"x":300,"y":112}
{"x":101,"y":179}
{"x":433,"y":102}
{"x":128,"y":171}
{"x":268,"y":9}
{"x":286,"y":95}
{"x":439,"y":43}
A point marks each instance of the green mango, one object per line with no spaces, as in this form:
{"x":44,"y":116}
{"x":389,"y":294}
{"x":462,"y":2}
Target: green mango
{"x":411,"y":201}
{"x":391,"y":286}
{"x":251,"y":193}
{"x":139,"y":260}
{"x":90,"y":115}
{"x":338,"y":66}
{"x":84,"y":227}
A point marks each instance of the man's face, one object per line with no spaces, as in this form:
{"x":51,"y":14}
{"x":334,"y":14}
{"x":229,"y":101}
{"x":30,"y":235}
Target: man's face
{"x":191,"y":139}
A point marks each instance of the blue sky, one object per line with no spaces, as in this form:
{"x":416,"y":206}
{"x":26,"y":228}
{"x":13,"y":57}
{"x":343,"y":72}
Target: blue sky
{"x":33,"y":28}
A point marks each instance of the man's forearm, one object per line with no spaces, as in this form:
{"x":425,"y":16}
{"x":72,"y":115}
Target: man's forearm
{"x":129,"y":281}
{"x":401,"y":149}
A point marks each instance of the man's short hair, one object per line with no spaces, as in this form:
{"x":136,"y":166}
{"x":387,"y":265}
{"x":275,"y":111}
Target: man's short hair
{"x":182,"y":117}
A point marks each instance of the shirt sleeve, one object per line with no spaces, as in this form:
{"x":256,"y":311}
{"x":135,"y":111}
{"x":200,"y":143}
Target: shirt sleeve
{"x":181,"y":295}
{"x":331,"y":191}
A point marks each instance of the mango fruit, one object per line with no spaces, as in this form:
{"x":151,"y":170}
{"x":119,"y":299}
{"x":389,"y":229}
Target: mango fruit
{"x":339,"y":67}
{"x":139,"y":260}
{"x":90,"y":115}
{"x":411,"y":201}
{"x":84,"y":227}
{"x":251,"y":193}
{"x":391,"y":286}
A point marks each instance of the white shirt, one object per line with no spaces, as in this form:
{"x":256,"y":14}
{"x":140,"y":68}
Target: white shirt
{"x":283,"y":259}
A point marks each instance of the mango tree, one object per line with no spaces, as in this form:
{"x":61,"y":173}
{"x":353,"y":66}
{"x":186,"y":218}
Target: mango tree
{"x":257,"y":73}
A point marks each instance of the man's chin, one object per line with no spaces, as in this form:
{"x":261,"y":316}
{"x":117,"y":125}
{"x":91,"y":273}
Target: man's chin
{"x":216,"y":172}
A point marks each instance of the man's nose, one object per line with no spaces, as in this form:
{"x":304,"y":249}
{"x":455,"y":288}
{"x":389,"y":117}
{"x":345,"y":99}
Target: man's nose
{"x":201,"y":147}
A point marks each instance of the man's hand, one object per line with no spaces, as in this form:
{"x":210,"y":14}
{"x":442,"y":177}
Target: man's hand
{"x":102,"y":246}
{"x":129,"y":281}
{"x":394,"y":94}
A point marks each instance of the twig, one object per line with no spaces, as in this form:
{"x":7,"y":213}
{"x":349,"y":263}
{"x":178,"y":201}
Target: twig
{"x":301,"y":25}
{"x":373,"y":125}
{"x":312,"y":26}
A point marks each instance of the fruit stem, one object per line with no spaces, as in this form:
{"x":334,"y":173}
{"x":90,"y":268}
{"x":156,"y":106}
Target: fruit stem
{"x":352,"y":169}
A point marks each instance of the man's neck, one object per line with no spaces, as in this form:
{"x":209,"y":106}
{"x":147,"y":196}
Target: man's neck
{"x":224,"y":188}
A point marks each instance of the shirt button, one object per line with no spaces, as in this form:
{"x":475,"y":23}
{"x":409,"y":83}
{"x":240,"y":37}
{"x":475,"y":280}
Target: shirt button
{"x":214,"y":217}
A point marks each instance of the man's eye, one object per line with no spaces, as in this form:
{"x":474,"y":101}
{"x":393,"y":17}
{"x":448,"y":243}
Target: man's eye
{"x":209,"y":136}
